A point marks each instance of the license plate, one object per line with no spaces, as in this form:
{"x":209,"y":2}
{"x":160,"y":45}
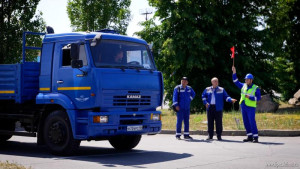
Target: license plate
{"x":134,"y":128}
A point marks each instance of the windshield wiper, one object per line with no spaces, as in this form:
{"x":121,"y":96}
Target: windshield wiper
{"x":123,"y":67}
{"x":137,"y":67}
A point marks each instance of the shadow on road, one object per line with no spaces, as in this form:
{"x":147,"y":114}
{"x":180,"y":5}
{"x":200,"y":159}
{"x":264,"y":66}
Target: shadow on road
{"x":231,"y":141}
{"x":24,"y":149}
{"x":265,"y":143}
{"x":213,"y":140}
{"x":270,"y":143}
{"x":106,"y":156}
{"x":198,"y":140}
{"x":133,"y":158}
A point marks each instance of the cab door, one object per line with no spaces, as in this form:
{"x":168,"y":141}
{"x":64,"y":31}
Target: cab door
{"x":69,"y":81}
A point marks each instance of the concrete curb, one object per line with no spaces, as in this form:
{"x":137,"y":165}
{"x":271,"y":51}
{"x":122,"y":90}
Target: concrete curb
{"x":271,"y":133}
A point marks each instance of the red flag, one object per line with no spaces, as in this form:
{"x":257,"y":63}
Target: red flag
{"x":232,"y":52}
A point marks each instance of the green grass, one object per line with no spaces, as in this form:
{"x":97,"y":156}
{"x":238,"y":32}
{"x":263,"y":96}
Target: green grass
{"x":275,"y":121}
{"x":8,"y":165}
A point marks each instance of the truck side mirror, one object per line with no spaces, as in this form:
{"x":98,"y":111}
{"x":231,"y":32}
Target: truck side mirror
{"x":150,"y":46}
{"x":75,"y":63}
{"x":74,"y":51}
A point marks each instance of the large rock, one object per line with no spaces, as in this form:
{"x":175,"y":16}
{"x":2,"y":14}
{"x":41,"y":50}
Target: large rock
{"x":297,"y":95}
{"x":293,"y":101}
{"x":266,"y":104}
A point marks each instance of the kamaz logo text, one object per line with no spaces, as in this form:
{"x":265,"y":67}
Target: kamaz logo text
{"x":133,"y":96}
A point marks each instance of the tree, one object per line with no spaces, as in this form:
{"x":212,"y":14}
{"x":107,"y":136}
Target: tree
{"x":283,"y":34}
{"x":194,"y":40}
{"x":293,"y":43}
{"x":89,"y":15}
{"x":17,"y":16}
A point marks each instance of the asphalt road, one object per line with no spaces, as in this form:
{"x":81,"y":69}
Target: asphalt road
{"x":162,"y":151}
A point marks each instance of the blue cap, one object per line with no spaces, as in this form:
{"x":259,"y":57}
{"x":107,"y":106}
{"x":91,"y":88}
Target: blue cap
{"x":184,"y":78}
{"x":249,"y":76}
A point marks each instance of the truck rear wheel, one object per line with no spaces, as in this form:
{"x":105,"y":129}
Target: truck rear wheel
{"x":58,"y":134}
{"x":7,"y":125}
{"x":125,"y":142}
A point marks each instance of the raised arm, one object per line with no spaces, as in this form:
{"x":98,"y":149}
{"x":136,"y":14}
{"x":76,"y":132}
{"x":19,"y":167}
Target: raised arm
{"x":235,"y":79}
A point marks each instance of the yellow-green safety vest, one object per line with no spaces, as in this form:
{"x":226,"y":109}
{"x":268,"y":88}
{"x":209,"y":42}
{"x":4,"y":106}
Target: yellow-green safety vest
{"x":250,"y":92}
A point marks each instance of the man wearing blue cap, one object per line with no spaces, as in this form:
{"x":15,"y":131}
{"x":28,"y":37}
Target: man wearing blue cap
{"x":182,"y":97}
{"x":250,"y":94}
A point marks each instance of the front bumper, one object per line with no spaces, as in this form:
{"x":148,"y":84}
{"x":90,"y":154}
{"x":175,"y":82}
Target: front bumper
{"x":117,"y":124}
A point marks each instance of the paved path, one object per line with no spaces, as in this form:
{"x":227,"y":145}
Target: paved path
{"x":163,"y":151}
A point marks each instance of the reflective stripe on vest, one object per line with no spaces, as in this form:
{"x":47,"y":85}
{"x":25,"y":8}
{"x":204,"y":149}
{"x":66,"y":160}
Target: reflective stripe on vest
{"x":250,"y":92}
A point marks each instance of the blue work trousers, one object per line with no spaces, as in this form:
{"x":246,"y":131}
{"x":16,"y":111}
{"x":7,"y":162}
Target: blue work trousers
{"x":183,"y":115}
{"x":248,"y":114}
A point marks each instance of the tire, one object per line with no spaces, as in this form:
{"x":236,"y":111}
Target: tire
{"x":125,"y":142}
{"x":58,"y":134}
{"x":6,"y":125}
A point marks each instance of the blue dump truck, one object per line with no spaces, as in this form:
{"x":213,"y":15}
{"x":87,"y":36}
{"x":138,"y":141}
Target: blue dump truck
{"x":87,"y":86}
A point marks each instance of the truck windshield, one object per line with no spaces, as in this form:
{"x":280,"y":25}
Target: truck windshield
{"x":120,"y":54}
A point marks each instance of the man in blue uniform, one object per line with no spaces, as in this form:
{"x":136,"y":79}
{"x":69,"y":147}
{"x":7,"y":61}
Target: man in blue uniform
{"x":250,"y":94}
{"x":213,"y":98}
{"x":182,"y":97}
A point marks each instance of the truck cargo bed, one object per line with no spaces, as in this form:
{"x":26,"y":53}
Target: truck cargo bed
{"x":19,"y":82}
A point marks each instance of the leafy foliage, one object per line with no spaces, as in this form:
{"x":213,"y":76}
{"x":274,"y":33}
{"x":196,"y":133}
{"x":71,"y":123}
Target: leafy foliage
{"x":17,"y":16}
{"x":194,"y":40}
{"x":88,"y":15}
{"x":283,"y":34}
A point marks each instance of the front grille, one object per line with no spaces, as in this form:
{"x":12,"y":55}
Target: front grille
{"x":124,"y":101}
{"x":132,"y":119}
{"x":131,"y":116}
{"x":128,"y":122}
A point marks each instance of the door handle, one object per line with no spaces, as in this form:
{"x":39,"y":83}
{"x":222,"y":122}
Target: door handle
{"x":60,"y":82}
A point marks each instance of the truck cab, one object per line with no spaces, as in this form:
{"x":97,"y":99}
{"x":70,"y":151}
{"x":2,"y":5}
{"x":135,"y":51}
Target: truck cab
{"x":93,"y":86}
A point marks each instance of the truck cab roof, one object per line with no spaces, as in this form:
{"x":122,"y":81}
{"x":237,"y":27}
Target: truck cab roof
{"x":89,"y":36}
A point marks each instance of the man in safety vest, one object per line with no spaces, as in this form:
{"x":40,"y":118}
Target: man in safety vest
{"x":250,"y":94}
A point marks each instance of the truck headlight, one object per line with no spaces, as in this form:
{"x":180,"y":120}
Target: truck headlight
{"x":155,"y":117}
{"x":100,"y":119}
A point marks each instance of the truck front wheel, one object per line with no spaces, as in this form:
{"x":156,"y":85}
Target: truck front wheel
{"x":125,"y":142}
{"x":7,"y":125}
{"x":58,"y":134}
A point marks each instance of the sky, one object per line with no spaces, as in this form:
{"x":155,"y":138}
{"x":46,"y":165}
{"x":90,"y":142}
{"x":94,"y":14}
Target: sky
{"x":55,"y":15}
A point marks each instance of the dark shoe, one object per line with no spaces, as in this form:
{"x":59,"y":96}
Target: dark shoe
{"x":178,"y":138}
{"x":255,"y":140}
{"x":219,"y":138}
{"x":249,"y":139}
{"x":188,"y":137}
{"x":209,"y":138}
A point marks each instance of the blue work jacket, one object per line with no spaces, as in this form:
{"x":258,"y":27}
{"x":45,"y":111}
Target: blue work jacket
{"x":185,"y":97}
{"x":220,"y":96}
